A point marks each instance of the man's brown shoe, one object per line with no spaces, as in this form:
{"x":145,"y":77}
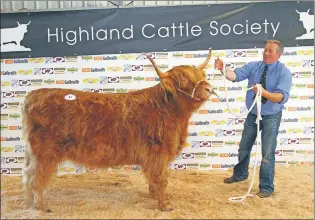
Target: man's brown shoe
{"x":232,"y":180}
{"x":264,"y":194}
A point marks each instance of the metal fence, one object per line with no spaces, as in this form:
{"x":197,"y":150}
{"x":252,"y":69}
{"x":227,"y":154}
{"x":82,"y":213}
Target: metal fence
{"x":15,"y":6}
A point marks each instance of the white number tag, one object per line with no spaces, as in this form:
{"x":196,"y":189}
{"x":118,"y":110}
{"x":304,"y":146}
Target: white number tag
{"x":70,"y":97}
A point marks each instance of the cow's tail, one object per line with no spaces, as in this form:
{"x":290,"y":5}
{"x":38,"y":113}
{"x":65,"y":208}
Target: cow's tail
{"x":28,"y":163}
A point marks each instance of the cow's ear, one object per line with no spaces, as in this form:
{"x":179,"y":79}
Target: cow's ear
{"x":168,"y":85}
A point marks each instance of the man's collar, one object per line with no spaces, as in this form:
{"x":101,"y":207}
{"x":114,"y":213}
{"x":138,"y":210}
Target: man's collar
{"x":272,"y":65}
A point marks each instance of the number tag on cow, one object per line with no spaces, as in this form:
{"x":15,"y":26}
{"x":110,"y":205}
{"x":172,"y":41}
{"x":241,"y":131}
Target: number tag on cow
{"x":70,"y":97}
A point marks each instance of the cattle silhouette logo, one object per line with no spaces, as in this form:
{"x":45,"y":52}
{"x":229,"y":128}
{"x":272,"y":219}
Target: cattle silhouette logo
{"x":308,"y":24}
{"x":11,"y":38}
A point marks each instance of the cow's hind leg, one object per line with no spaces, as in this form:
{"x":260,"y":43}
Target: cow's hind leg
{"x":28,"y":171}
{"x":42,"y":171}
{"x":157,"y":174}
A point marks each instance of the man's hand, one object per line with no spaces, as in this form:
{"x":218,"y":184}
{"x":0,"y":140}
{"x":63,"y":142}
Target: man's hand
{"x":218,"y":63}
{"x":274,"y":97}
{"x":255,"y":90}
{"x":229,"y":74}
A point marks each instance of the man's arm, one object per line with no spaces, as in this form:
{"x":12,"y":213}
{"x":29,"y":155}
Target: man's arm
{"x":239,"y":74}
{"x":282,"y":91}
{"x":229,"y":75}
{"x":272,"y":96}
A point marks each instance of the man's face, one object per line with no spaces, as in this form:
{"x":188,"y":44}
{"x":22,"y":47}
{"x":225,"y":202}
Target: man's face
{"x":271,"y":53}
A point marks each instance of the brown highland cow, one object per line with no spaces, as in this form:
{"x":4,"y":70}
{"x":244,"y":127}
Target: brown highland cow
{"x":147,"y":127}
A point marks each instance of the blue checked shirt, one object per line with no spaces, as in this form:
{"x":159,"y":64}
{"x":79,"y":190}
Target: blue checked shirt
{"x":278,"y":79}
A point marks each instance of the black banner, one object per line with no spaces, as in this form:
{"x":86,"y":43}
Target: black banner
{"x":155,"y":29}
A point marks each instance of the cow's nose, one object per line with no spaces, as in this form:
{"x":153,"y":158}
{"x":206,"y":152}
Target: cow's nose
{"x":209,"y":89}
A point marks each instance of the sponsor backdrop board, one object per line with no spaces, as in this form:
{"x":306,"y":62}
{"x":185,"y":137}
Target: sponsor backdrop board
{"x":159,"y":29}
{"x":214,"y":134}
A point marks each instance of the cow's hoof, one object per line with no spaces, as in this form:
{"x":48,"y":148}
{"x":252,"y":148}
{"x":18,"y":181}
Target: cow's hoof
{"x":47,"y":210}
{"x":28,"y":202}
{"x":153,"y":195}
{"x":166,"y":208}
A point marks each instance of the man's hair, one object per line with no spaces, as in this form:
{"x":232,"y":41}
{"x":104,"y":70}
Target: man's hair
{"x":279,"y":43}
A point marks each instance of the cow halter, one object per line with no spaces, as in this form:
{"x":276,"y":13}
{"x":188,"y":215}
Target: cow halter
{"x":193,"y":92}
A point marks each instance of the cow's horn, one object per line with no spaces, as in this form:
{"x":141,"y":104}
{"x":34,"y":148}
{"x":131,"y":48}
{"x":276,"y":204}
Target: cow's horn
{"x":297,"y":11}
{"x":157,"y":69}
{"x":205,"y":63}
{"x":28,"y":23}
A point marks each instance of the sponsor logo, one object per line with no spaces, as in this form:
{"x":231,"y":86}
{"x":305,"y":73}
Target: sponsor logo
{"x":113,"y":79}
{"x":121,"y":90}
{"x":5,"y":83}
{"x":10,"y":138}
{"x":59,"y":59}
{"x":42,"y":71}
{"x":85,"y":70}
{"x":99,"y":58}
{"x":199,"y":123}
{"x":289,"y":120}
{"x":8,"y":94}
{"x":218,"y":122}
{"x":60,"y":70}
{"x":109,"y":90}
{"x":49,"y":81}
{"x":305,"y":52}
{"x":71,"y":59}
{"x":206,"y":133}
{"x":114,"y":69}
{"x":213,"y":111}
{"x":205,"y":166}
{"x":72,"y":70}
{"x":20,"y":93}
{"x":306,"y":108}
{"x":252,"y":53}
{"x":308,"y":130}
{"x":127,"y":68}
{"x":126,"y":57}
{"x":4,"y":116}
{"x":295,"y":130}
{"x":37,"y":82}
{"x":8,"y":73}
{"x":90,"y":80}
{"x":230,"y":143}
{"x":37,"y":60}
{"x":289,"y":53}
{"x":177,"y":55}
{"x":14,"y":115}
{"x":103,"y":79}
{"x":138,"y":78}
{"x":180,"y":166}
{"x":137,"y":67}
{"x":87,"y":58}
{"x":306,"y":119}
{"x":236,"y":121}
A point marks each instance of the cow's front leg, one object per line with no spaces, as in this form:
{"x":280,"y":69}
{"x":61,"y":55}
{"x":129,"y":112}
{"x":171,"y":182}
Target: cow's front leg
{"x":182,"y":142}
{"x":157,"y":175}
{"x":152,"y":191}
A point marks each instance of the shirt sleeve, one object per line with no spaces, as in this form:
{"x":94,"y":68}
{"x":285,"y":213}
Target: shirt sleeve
{"x":284,"y":85}
{"x":244,"y":72}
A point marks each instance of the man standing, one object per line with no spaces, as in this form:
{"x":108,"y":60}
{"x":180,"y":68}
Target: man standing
{"x":276,"y":80}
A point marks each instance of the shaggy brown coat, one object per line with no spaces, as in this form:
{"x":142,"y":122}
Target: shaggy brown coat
{"x":146,"y":127}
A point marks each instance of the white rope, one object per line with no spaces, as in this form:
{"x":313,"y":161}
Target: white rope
{"x":258,"y":138}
